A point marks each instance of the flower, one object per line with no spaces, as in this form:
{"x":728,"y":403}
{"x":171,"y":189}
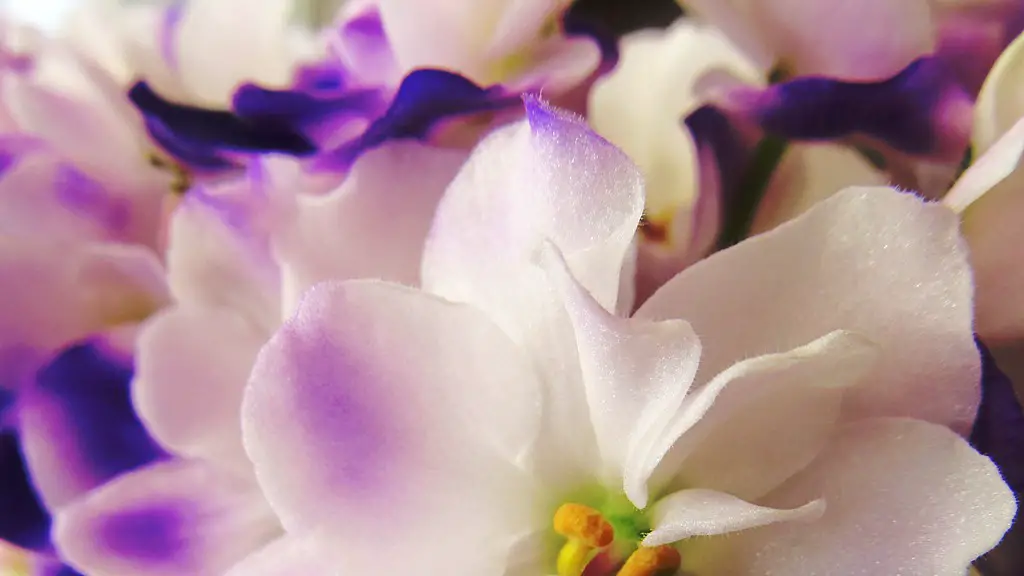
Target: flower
{"x":240,"y":252}
{"x":794,"y":404}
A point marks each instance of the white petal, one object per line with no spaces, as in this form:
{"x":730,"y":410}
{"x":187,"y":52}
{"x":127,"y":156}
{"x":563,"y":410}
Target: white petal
{"x":641,"y":104}
{"x":218,"y":256}
{"x":986,"y":172}
{"x":249,"y":41}
{"x":309,"y":555}
{"x":1000,"y":103}
{"x":807,"y":174}
{"x":635,"y":372}
{"x":373,"y":226}
{"x":546,"y":178}
{"x":759,"y":421}
{"x":192,"y":364}
{"x":902,"y":497}
{"x":383,"y":414}
{"x":168,"y":519}
{"x":699,"y":512}
{"x":874,"y":261}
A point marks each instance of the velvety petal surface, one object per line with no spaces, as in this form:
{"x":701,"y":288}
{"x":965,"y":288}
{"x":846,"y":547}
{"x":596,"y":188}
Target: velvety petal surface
{"x":901,"y":497}
{"x":858,"y":261}
{"x":172,"y":518}
{"x":378,"y":413}
{"x":546,"y":178}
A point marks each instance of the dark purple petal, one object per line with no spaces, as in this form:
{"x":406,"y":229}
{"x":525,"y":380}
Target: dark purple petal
{"x":206,"y":139}
{"x":24,"y":521}
{"x":999,"y":429}
{"x":712,"y":131}
{"x":80,"y":427}
{"x":425,"y":98}
{"x":922,"y":110}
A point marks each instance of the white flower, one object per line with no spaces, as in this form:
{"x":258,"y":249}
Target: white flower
{"x":791,"y":405}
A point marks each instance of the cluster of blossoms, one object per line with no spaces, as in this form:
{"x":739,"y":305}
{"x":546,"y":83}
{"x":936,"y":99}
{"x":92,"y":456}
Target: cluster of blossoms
{"x":512,"y":288}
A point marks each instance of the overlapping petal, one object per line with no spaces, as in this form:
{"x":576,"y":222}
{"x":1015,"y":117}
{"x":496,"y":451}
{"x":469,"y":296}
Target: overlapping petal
{"x":357,"y":395}
{"x":778,"y":290}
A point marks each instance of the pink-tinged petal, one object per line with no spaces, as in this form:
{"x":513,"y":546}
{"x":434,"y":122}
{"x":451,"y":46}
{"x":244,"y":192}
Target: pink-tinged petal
{"x":902,"y":497}
{"x":255,"y":48}
{"x":700,"y":512}
{"x":635,"y":374}
{"x":807,"y":174}
{"x":998,"y":163}
{"x":1000,"y":103}
{"x":219,"y":256}
{"x":169,"y":519}
{"x":867,"y":40}
{"x":373,"y":226}
{"x":758,"y":422}
{"x":193,"y":363}
{"x":546,"y":178}
{"x":870,"y":260}
{"x":381,"y":413}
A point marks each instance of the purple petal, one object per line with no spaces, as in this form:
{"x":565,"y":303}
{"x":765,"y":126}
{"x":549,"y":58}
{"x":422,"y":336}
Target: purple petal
{"x":205,"y":139}
{"x":24,"y":521}
{"x":78,"y":423}
{"x":425,"y":99}
{"x":713,"y":131}
{"x":922,"y":110}
{"x":999,"y":429}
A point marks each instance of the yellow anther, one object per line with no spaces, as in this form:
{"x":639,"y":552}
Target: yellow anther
{"x":656,"y":561}
{"x":583,"y":523}
{"x":574,"y":557}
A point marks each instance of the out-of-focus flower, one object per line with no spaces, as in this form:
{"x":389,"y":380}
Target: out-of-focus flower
{"x":507,"y":418}
{"x":376,"y":74}
{"x":240,"y":253}
{"x":80,"y":209}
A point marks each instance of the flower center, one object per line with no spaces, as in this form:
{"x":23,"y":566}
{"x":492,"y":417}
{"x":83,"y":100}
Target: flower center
{"x":605,"y":541}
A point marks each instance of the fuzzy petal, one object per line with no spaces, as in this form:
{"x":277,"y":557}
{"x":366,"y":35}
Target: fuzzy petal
{"x":699,"y":512}
{"x":902,"y":497}
{"x":636,"y":372}
{"x":172,"y":518}
{"x":514,"y":193}
{"x":362,"y":419}
{"x":874,"y":261}
{"x":758,"y":422}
